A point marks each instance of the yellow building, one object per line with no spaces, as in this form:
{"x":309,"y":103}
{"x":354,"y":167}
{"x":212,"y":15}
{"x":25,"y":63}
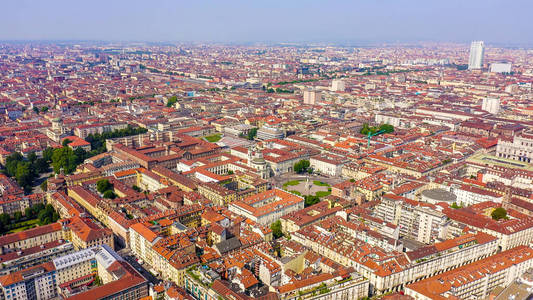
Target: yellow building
{"x":218,"y":194}
{"x":84,"y":233}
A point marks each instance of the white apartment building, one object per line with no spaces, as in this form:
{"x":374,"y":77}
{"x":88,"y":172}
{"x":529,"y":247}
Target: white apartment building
{"x":449,"y":255}
{"x":338,"y":85}
{"x":415,"y":219}
{"x":381,"y":118}
{"x":491,"y":105}
{"x":141,"y":241}
{"x":469,"y":195}
{"x":312,"y":97}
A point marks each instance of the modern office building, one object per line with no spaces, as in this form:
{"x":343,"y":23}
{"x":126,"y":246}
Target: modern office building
{"x":477,"y":50}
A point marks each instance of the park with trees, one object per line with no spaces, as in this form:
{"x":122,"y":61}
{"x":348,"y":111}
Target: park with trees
{"x":37,"y":215}
{"x":25,"y":170}
{"x":385,"y":128}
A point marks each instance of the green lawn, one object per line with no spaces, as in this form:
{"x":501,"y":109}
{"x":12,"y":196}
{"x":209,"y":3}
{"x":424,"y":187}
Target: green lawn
{"x":17,"y":227}
{"x":322,"y":193}
{"x":292,"y":182}
{"x":296,"y":192}
{"x":213,"y":138}
{"x":320,"y":183}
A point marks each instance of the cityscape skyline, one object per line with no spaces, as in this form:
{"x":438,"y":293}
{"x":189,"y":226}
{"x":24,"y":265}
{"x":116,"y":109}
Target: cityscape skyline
{"x":339,"y":22}
{"x":239,"y":150}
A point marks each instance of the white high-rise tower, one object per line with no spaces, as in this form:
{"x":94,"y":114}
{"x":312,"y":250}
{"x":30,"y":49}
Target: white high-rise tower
{"x":477,"y":49}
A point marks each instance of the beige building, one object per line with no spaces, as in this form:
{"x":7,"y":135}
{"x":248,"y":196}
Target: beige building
{"x":268,"y":206}
{"x":31,"y":238}
{"x":475,"y":280}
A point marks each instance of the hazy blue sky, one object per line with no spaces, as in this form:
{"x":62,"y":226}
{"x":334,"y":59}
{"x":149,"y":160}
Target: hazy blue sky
{"x":503,"y":21}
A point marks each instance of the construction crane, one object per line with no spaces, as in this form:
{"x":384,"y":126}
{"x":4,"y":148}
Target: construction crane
{"x":370,"y":135}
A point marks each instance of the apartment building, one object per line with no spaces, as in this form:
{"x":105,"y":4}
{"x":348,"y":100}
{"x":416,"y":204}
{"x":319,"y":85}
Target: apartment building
{"x":296,"y":220}
{"x":30,"y":238}
{"x":38,"y":282}
{"x":83,"y":131}
{"x":475,"y":280}
{"x":142,"y":240}
{"x":510,"y":233}
{"x":418,"y":220}
{"x":390,"y":271}
{"x":16,"y":260}
{"x":75,"y":266}
{"x":84,"y":233}
{"x":470,"y":195}
{"x":268,"y":206}
{"x":13,"y":203}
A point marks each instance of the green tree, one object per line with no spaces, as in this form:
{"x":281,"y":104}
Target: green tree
{"x":38,"y":207}
{"x":276,"y":229}
{"x":32,"y":157}
{"x":5,"y":219}
{"x":17,"y":216}
{"x":47,"y":215}
{"x":66,"y":142}
{"x":47,"y":154}
{"x":109,"y":194}
{"x":44,"y":186}
{"x":81,"y":155}
{"x":64,"y":158}
{"x":28,"y":212}
{"x":365,"y":129}
{"x":41,"y":165}
{"x":44,"y":108}
{"x":301,"y":166}
{"x":12,"y":162}
{"x":103,"y":185}
{"x":171,"y":101}
{"x":98,"y":140}
{"x":24,"y":175}
{"x":387,"y":128}
{"x":252,"y":133}
{"x":499,"y":213}
{"x":310,"y":200}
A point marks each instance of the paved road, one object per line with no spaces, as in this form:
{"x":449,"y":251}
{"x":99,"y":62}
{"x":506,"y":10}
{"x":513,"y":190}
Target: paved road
{"x":36,"y":188}
{"x":132,"y":260}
